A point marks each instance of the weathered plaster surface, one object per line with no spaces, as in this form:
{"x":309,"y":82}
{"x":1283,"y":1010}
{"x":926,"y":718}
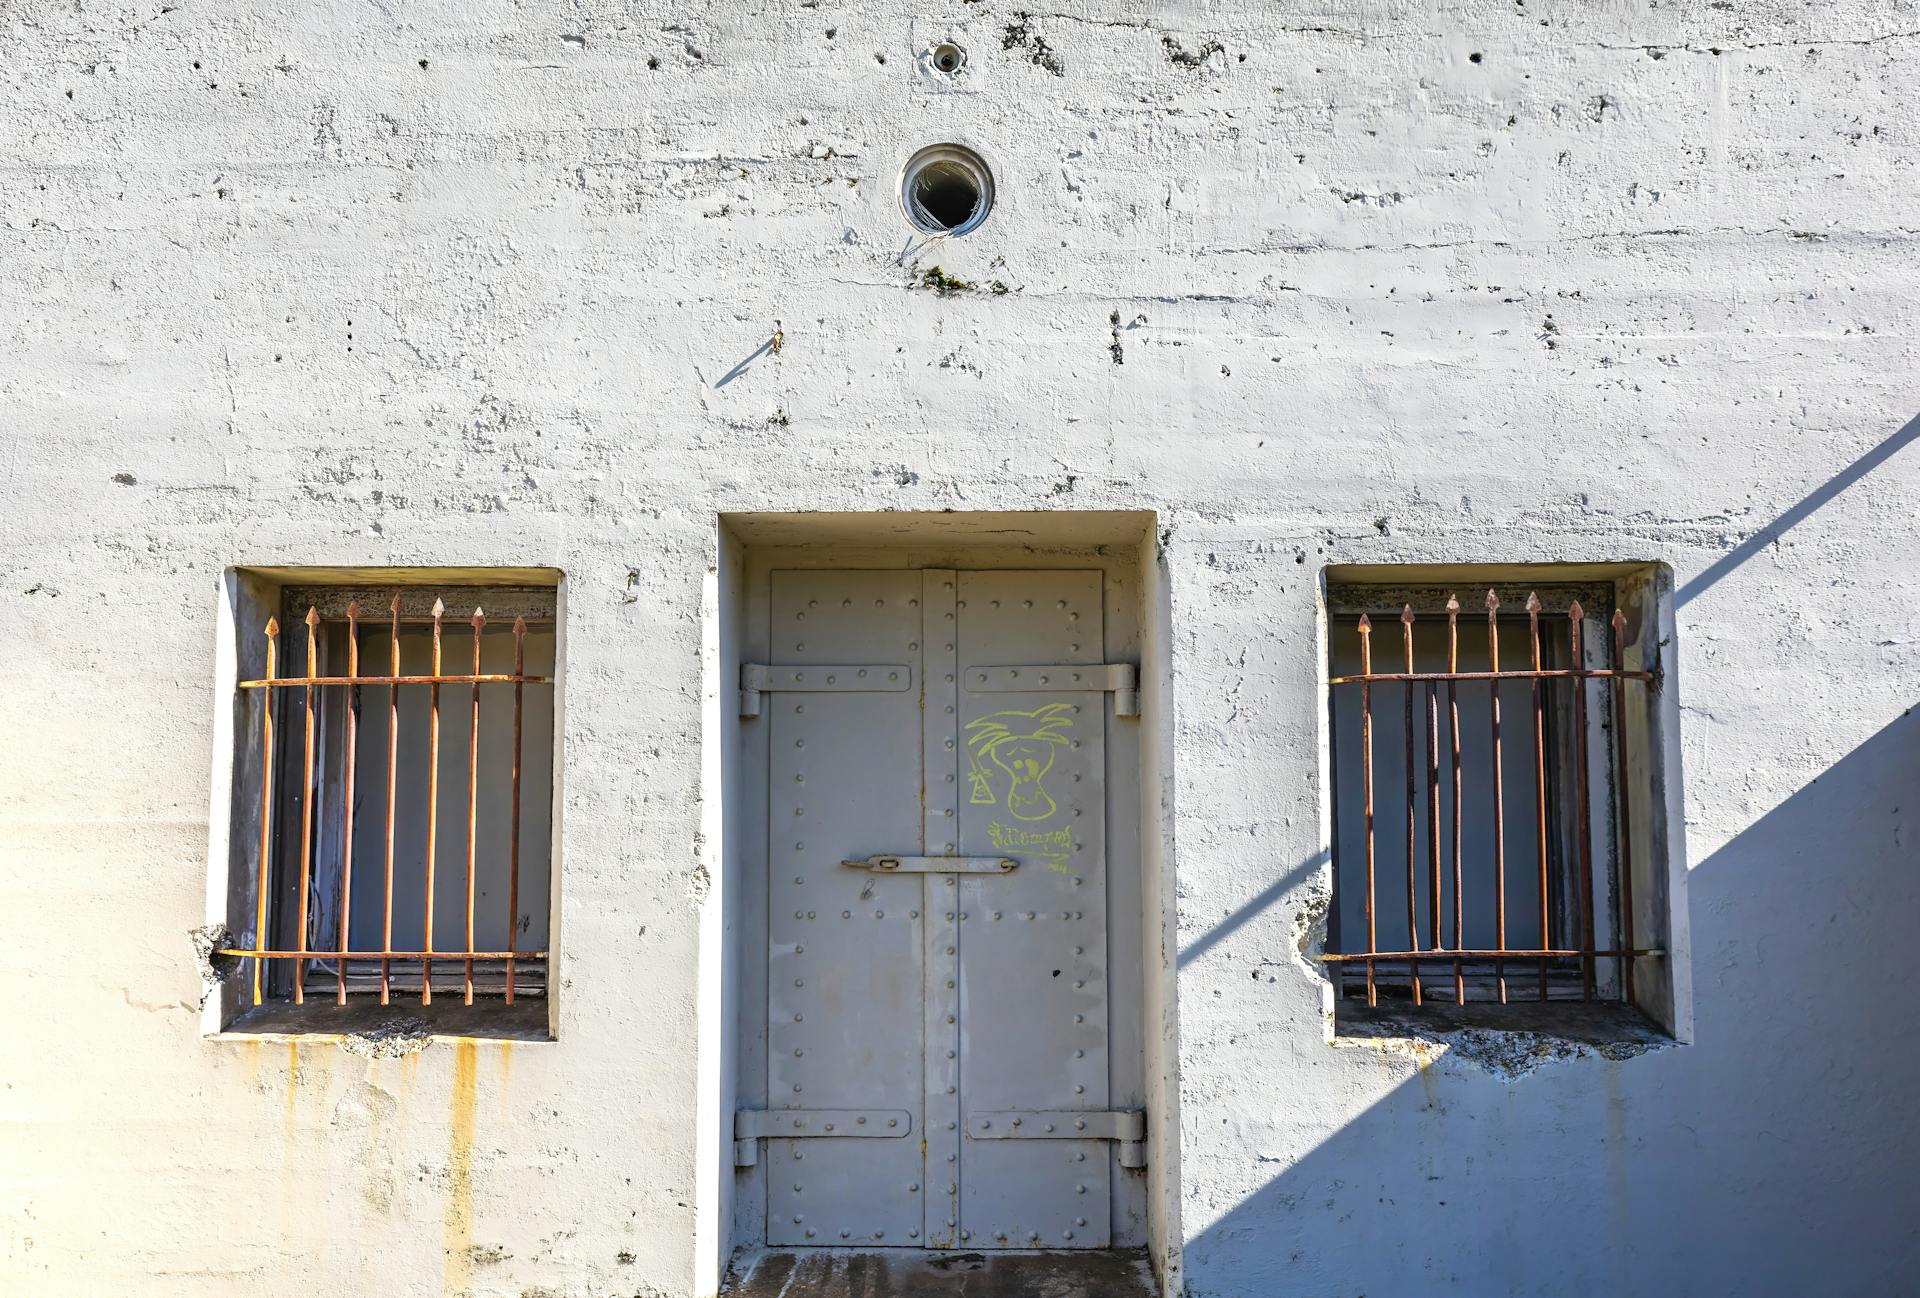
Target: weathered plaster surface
{"x":472,"y":283}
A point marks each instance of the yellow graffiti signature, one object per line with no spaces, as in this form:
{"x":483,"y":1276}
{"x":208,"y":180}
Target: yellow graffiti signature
{"x":1054,"y":846}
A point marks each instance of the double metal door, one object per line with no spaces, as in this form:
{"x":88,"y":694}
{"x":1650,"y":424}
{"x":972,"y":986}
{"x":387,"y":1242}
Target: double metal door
{"x":937,"y":1000}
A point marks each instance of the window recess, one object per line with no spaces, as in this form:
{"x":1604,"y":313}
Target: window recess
{"x":394,"y":756}
{"x":1494,"y":798}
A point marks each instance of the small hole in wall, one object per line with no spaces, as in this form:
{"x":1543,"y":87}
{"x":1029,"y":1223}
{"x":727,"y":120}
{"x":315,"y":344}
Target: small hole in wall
{"x":947,"y":58}
{"x":946,"y":189}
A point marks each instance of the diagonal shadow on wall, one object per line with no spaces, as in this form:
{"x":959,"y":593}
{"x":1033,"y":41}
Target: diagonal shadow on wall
{"x":1266,"y":897}
{"x":1780,"y":1154}
{"x":1799,"y":513}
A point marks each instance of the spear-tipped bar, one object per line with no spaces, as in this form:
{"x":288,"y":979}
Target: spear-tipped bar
{"x":393,"y":768}
{"x":1540,"y":780}
{"x":307,"y":808}
{"x":513,"y":836}
{"x":1413,"y":806}
{"x":351,"y":760}
{"x":1583,"y":832}
{"x":1624,"y":833}
{"x":1366,"y":795}
{"x":1499,"y":796}
{"x":473,"y":794}
{"x":1453,"y":732}
{"x":433,"y":802}
{"x":261,"y":887}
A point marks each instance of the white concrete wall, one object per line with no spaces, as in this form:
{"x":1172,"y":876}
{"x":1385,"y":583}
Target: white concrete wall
{"x":472,"y":283}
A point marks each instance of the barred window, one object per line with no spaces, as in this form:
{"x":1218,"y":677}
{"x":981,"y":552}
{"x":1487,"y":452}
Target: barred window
{"x":1497,"y":801}
{"x":391,"y":837}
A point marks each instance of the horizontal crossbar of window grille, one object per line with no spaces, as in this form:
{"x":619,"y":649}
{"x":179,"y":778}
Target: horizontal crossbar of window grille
{"x":1442,"y":954}
{"x":1431,"y":688}
{"x":456,"y":956}
{"x":482,"y":679}
{"x":1551,"y":674}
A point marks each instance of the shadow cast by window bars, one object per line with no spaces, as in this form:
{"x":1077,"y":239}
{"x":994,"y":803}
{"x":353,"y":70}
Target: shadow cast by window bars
{"x":314,"y":698}
{"x":1562,"y":896}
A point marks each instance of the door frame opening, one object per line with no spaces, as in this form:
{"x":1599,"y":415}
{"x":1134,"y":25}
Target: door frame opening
{"x":1122,"y":545}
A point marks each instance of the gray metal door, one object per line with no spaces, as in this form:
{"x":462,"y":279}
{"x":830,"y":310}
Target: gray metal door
{"x":938,"y":1057}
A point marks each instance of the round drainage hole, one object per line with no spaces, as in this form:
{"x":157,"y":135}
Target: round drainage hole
{"x":947,"y":58}
{"x":946,"y":189}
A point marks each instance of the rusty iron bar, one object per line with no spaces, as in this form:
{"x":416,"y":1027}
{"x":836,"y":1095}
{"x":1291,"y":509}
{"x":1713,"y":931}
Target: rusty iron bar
{"x":513,"y":846}
{"x":393,"y":765}
{"x":382,"y":955}
{"x":433,"y":802}
{"x":266,"y":804}
{"x":1499,"y":796}
{"x":306,"y":810}
{"x":351,"y":760}
{"x":1453,"y":731}
{"x":1539,"y":779}
{"x":1582,"y":827}
{"x":1366,"y":796}
{"x":473,"y":792}
{"x":1434,"y":886}
{"x":1623,"y":834}
{"x":1551,"y":673}
{"x":1413,"y":813}
{"x":1488,"y":953}
{"x":476,"y":678}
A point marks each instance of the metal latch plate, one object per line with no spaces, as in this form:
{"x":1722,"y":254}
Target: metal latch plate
{"x":1119,"y":679}
{"x":935,"y":864}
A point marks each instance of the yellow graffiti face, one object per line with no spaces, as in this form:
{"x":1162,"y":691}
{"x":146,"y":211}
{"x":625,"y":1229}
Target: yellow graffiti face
{"x":1027,"y":761}
{"x":1022,"y":745}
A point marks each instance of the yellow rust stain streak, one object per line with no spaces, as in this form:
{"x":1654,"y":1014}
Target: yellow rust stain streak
{"x":457,"y":1226}
{"x":292,"y":1123}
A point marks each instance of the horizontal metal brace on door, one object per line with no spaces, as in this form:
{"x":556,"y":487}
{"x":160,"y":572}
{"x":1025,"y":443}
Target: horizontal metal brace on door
{"x":1127,"y":1127}
{"x":1121,"y":680}
{"x":935,"y":864}
{"x":750,"y":1125}
{"x":823,"y":678}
